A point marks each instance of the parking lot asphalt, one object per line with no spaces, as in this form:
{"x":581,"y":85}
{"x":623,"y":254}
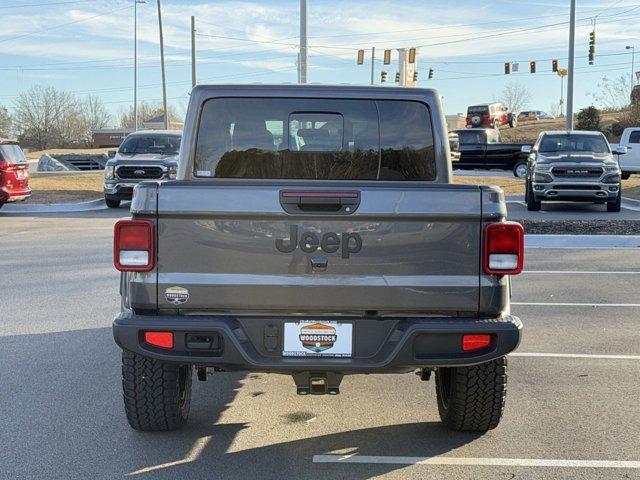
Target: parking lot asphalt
{"x":572,"y":406}
{"x":562,"y":211}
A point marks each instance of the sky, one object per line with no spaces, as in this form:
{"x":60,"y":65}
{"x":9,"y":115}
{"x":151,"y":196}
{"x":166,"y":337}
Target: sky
{"x":86,"y":46}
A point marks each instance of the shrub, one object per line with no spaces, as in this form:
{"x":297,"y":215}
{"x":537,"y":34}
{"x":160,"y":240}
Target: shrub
{"x":588,"y":119}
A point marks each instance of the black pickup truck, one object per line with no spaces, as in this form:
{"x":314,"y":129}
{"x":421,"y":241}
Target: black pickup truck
{"x":481,"y":148}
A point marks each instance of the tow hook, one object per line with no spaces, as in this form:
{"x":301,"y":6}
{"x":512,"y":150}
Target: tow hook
{"x":424,"y":374}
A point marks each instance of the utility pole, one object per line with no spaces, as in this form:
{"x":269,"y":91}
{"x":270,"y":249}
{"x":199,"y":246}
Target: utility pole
{"x":562,"y":72}
{"x":135,"y":63}
{"x":193,"y":51}
{"x":303,"y":41}
{"x":373,"y":64}
{"x":164,"y":80}
{"x":572,"y":41}
{"x":402,"y":66}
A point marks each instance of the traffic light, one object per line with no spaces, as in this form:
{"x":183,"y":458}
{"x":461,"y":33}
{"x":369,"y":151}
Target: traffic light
{"x":415,"y":76}
{"x":387,"y":57}
{"x":430,"y":73}
{"x":397,"y":77}
{"x":532,"y":66}
{"x":360,"y":57}
{"x":412,"y":55}
{"x":592,"y":46}
{"x":507,"y":68}
{"x":383,"y":76}
{"x":554,"y":65}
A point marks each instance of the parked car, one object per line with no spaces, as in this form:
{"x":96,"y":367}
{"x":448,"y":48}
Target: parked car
{"x":573,"y":166}
{"x":14,"y":173}
{"x":491,"y":115}
{"x":533,"y":116}
{"x":630,"y":141}
{"x":143,"y":155}
{"x":343,"y":249}
{"x":481,"y":148}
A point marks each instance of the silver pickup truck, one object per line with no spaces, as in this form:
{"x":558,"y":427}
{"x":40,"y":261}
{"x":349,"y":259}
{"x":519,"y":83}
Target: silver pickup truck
{"x":314,"y":231}
{"x":573,"y":166}
{"x":143,"y":155}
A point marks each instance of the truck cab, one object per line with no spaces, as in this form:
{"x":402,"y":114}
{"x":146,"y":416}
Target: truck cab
{"x":313,"y":231}
{"x":627,"y":151}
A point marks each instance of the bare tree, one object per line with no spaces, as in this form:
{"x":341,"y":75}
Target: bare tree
{"x":146,"y":111}
{"x":46,"y":117}
{"x":5,"y":122}
{"x":613,"y":94}
{"x":555,"y":109}
{"x":95,"y":113}
{"x":515,"y":96}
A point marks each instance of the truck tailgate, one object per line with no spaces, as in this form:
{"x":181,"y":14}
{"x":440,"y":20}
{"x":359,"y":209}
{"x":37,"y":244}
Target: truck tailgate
{"x":404,"y":250}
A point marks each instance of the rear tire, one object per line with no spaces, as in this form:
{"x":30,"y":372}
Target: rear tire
{"x":616,"y":205}
{"x":111,"y":203}
{"x":520,"y":170}
{"x":157,"y":395}
{"x":471,"y":399}
{"x":533,"y":205}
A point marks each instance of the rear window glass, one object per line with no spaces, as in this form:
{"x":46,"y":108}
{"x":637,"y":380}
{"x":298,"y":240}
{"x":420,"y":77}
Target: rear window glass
{"x":321,"y":139}
{"x":158,"y":144}
{"x":472,"y":136}
{"x":480,"y":109}
{"x":12,"y":154}
{"x":634,"y":137}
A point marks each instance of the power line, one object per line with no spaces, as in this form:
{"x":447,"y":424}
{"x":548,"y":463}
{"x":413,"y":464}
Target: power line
{"x":43,"y":4}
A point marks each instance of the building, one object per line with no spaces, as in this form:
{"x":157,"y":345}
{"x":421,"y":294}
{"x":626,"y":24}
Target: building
{"x":157,"y":123}
{"x":455,"y":122}
{"x":109,"y":137}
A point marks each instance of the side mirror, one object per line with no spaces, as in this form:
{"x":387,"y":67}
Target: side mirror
{"x":111,"y":153}
{"x":526,"y":149}
{"x":621,"y":150}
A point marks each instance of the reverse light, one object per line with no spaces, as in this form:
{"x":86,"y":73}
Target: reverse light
{"x":503,"y":248}
{"x":133,"y":245}
{"x":475,"y":342}
{"x":159,"y":339}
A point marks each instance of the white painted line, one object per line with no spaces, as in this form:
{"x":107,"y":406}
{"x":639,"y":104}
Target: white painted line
{"x":193,"y":454}
{"x":582,"y":241}
{"x":549,"y":304}
{"x":578,"y":272}
{"x":574,"y":355}
{"x":496,"y":462}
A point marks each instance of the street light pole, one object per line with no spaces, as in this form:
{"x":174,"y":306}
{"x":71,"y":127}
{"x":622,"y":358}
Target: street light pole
{"x":572,"y":41}
{"x":633,"y":67}
{"x":135,"y":63}
{"x":303,"y":41}
{"x":164,"y":80}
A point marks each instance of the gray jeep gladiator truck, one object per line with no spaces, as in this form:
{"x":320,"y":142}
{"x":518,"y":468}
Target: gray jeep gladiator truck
{"x":143,"y":155}
{"x":314,"y":231}
{"x":575,"y":166}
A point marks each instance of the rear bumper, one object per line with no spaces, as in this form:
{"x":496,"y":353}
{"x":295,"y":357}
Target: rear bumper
{"x":14,"y":194}
{"x":379,"y":346}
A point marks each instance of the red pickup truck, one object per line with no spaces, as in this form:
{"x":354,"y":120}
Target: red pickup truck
{"x":14,"y":172}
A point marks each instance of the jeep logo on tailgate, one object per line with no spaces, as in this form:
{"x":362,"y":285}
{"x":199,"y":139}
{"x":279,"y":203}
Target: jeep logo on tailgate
{"x":329,"y":243}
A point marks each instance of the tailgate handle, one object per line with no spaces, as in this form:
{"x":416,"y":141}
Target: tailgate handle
{"x":337,"y":203}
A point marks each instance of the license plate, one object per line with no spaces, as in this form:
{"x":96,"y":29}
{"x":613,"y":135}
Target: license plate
{"x":21,"y":174}
{"x":310,"y":338}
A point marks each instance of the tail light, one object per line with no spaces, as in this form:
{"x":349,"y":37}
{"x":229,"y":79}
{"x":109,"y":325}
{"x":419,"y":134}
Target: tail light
{"x":486,"y":119}
{"x":159,"y":339}
{"x":471,"y":343}
{"x":503,"y":248}
{"x":133,"y":245}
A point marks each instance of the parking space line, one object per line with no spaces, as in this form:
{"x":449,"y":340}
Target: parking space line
{"x":496,"y":462}
{"x":193,"y":454}
{"x":578,"y":272}
{"x":550,"y":304}
{"x":575,"y":355}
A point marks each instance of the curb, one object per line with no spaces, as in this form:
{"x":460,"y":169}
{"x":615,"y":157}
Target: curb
{"x":582,"y":241}
{"x":54,"y":207}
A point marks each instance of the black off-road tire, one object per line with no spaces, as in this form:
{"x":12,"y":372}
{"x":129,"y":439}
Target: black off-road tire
{"x":471,"y":399}
{"x":111,"y":203}
{"x":156,"y":395}
{"x":616,"y":205}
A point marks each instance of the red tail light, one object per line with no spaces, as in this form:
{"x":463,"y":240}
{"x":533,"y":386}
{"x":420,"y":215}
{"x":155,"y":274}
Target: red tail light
{"x":133,"y":245}
{"x":159,"y":339}
{"x":503,"y":248}
{"x":486,"y":119}
{"x":475,"y":342}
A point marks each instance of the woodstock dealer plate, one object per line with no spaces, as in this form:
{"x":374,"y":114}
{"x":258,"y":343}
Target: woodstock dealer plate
{"x":317,"y":339}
